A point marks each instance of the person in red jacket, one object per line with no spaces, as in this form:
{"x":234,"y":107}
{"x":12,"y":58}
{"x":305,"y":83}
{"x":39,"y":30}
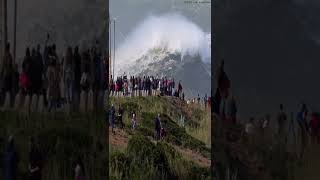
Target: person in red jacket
{"x":25,"y":82}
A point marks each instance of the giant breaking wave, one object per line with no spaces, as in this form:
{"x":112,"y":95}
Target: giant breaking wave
{"x":170,"y":32}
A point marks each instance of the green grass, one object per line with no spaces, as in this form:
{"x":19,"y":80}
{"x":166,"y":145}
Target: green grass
{"x":145,"y":159}
{"x":61,"y":139}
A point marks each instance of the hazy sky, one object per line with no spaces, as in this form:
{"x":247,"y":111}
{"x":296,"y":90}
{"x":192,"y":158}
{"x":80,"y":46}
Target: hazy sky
{"x":129,"y":13}
{"x":269,"y":55}
{"x":69,"y":22}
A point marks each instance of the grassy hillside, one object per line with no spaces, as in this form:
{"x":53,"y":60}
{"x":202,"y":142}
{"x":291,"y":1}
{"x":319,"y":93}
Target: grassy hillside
{"x":61,"y":139}
{"x":260,"y":156}
{"x":180,"y":155}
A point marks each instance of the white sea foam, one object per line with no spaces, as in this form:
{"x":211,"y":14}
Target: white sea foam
{"x":172,"y":32}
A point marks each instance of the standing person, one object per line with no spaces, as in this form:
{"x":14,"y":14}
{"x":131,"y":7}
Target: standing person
{"x":53,"y":86}
{"x":233,"y":113}
{"x":7,"y":69}
{"x":15,"y":81}
{"x":54,"y":53}
{"x":282,"y":118}
{"x":249,"y":130}
{"x":120,"y":115}
{"x":77,"y":72}
{"x":68,"y":77}
{"x":27,"y":62}
{"x":92,"y":71}
{"x":205,"y":100}
{"x":39,"y":71}
{"x":11,"y":160}
{"x":314,"y":124}
{"x":24,"y":82}
{"x":302,"y":121}
{"x":158,"y":127}
{"x":217,"y":102}
{"x":223,"y":81}
{"x":265,"y":125}
{"x":35,"y":159}
{"x":179,"y":88}
{"x":198,"y":99}
{"x":134,"y":121}
{"x":33,"y":71}
{"x":79,"y":171}
{"x":113,"y":118}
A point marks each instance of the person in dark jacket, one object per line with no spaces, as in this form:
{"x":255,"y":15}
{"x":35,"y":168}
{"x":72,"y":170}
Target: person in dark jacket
{"x":282,"y":118}
{"x":223,"y":81}
{"x":11,"y":160}
{"x":77,"y":69}
{"x":33,"y":71}
{"x":158,"y":127}
{"x":7,"y":70}
{"x":217,"y":102}
{"x":120,"y":115}
{"x":39,"y":68}
{"x":113,"y":117}
{"x":26,"y":64}
{"x":15,"y":81}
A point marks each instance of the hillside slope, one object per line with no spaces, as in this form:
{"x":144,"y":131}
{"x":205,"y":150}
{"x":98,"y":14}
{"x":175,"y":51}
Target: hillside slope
{"x":61,"y":139}
{"x":178,"y":155}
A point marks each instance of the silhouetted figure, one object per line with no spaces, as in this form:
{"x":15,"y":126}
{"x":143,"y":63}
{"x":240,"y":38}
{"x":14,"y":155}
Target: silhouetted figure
{"x":120,"y":115}
{"x":11,"y":159}
{"x":15,"y":80}
{"x":7,"y":70}
{"x":39,"y":67}
{"x":33,"y":71}
{"x":35,"y":161}
{"x":250,"y":126}
{"x":233,"y":109}
{"x":68,"y":77}
{"x":315,"y":125}
{"x":264,"y":125}
{"x":134,"y":121}
{"x":25,"y":75}
{"x":113,"y":118}
{"x":179,"y":88}
{"x":205,"y":101}
{"x":282,"y":118}
{"x":77,"y":69}
{"x":53,"y":86}
{"x":158,"y":127}
{"x":79,"y":171}
{"x":217,"y":102}
{"x":223,"y":81}
{"x":303,"y":126}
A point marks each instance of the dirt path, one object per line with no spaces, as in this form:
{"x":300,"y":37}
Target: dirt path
{"x":119,"y":139}
{"x":193,"y":156}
